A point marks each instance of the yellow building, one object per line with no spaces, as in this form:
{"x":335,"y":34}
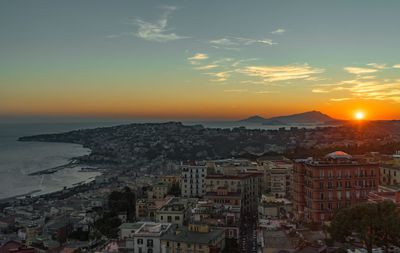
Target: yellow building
{"x":171,"y":179}
{"x":160,"y":190}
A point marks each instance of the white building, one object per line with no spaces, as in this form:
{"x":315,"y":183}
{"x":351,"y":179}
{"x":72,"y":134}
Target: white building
{"x":143,"y":237}
{"x":193,"y":180}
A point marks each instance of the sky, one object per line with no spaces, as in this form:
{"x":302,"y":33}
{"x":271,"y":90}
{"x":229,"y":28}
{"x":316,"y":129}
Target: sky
{"x":188,"y":59}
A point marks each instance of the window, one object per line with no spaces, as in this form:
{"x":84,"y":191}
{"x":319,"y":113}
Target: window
{"x":139,"y":241}
{"x":149,"y":242}
{"x":177,"y":217}
{"x":150,"y":251}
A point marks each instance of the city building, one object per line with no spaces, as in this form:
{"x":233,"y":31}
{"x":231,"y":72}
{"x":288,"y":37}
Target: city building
{"x":377,"y":197}
{"x":171,"y":179}
{"x":337,"y":180}
{"x":142,"y":237}
{"x":146,"y":209}
{"x":193,"y":180}
{"x":160,"y":190}
{"x":278,"y":173}
{"x":223,"y":216}
{"x":175,"y":211}
{"x":272,"y":207}
{"x":196,"y":238}
{"x":242,"y":189}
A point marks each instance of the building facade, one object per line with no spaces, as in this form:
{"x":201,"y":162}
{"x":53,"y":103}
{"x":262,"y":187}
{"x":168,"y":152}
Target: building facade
{"x":193,"y":180}
{"x":322,"y":186}
{"x":242,"y":189}
{"x":143,"y":237}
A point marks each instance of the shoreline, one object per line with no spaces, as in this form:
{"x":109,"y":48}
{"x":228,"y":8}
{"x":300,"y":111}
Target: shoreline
{"x":65,"y":190}
{"x":71,"y":164}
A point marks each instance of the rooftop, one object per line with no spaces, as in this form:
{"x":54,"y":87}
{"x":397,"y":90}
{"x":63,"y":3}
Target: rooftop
{"x":194,"y":237}
{"x":148,"y":228}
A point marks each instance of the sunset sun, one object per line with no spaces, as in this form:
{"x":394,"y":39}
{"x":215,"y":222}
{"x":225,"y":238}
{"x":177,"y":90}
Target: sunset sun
{"x":359,"y":115}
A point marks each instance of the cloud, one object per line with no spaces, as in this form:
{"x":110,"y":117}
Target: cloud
{"x":205,"y":67}
{"x":220,"y":76}
{"x":265,"y":92}
{"x":157,"y":31}
{"x":377,"y":65}
{"x":236,"y":90}
{"x":223,"y":42}
{"x":366,"y":89}
{"x":359,"y":71}
{"x":279,"y":31}
{"x":319,"y":91}
{"x":233,"y":43}
{"x":198,"y":57}
{"x":339,"y":99}
{"x":280,"y":73}
{"x":397,"y":66}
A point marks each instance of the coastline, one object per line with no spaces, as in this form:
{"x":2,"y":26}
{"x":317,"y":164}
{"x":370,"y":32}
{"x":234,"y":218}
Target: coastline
{"x":71,"y":164}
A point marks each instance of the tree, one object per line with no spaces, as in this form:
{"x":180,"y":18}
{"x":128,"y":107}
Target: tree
{"x":375,"y":224}
{"x":124,"y":201}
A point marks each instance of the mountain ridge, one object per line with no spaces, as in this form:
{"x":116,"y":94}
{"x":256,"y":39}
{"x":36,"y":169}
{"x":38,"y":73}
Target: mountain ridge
{"x":309,"y":117}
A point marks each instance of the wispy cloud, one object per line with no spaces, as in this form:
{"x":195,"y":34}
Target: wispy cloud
{"x":397,"y":66}
{"x":265,"y":92}
{"x":319,"y":91}
{"x":198,"y":57}
{"x":279,"y":31}
{"x":340,"y":99}
{"x":235,"y":91}
{"x":220,"y":76}
{"x":359,"y":71}
{"x":280,"y":73}
{"x":234,"y":43}
{"x":158,"y":30}
{"x":205,"y":67}
{"x":368,"y":89}
{"x":377,"y":65}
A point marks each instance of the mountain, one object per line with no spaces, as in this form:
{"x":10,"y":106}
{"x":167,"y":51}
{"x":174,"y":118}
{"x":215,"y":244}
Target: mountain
{"x":311,"y":117}
{"x":254,"y":119}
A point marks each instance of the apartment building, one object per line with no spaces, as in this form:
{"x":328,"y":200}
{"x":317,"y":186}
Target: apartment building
{"x":337,"y":180}
{"x":193,"y":180}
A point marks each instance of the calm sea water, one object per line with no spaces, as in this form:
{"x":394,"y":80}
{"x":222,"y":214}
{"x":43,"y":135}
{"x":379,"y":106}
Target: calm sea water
{"x":18,"y":159}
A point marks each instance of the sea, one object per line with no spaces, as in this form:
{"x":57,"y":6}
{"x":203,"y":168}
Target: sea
{"x":19,"y":159}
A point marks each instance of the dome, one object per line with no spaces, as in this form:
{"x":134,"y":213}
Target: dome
{"x":338,"y":155}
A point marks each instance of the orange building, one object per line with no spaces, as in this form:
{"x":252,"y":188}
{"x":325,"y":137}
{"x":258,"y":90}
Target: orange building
{"x":320,"y":186}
